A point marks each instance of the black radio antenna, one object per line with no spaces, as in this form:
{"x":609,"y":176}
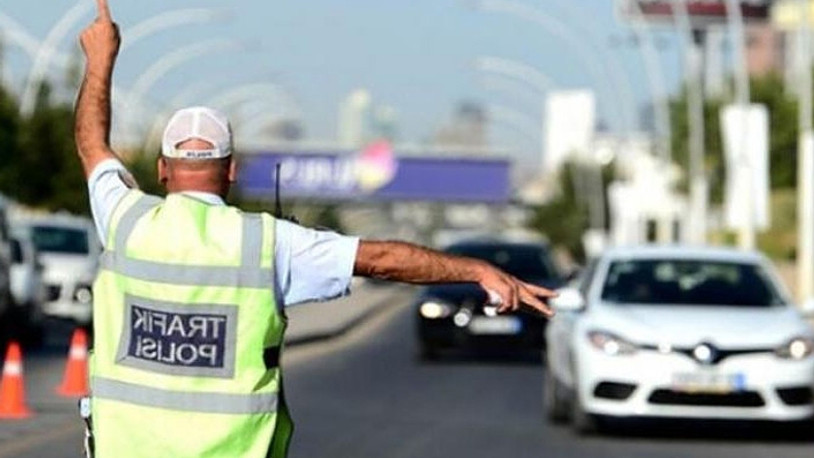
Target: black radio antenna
{"x":278,"y":207}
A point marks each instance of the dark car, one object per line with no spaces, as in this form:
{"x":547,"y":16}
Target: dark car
{"x":454,"y":315}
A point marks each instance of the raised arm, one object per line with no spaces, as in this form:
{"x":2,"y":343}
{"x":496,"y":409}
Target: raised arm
{"x":408,"y":263}
{"x":100,"y":43}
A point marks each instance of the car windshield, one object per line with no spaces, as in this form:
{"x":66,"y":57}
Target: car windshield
{"x":527,"y":262}
{"x":56,"y":239}
{"x":689,"y":282}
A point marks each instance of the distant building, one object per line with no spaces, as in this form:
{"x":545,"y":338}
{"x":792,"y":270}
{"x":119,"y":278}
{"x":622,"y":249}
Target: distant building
{"x":355,"y":119}
{"x":361,"y":121}
{"x":466,"y":128}
{"x":385,"y":123}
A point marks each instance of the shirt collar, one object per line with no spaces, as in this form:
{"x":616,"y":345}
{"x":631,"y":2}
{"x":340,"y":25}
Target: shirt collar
{"x":205,"y":197}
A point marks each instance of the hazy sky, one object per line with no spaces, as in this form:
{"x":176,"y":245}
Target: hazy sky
{"x":415,"y":55}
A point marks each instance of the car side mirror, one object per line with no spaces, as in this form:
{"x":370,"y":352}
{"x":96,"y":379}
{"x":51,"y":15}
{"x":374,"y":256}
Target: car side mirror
{"x":569,"y":299}
{"x":807,"y":308}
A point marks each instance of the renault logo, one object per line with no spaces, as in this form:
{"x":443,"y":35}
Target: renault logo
{"x":705,"y":353}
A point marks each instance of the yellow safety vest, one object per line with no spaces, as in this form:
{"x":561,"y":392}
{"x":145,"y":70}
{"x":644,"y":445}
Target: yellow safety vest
{"x":187,"y":334}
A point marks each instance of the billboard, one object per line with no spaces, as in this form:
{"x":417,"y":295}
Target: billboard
{"x":374,"y":174}
{"x":701,"y":12}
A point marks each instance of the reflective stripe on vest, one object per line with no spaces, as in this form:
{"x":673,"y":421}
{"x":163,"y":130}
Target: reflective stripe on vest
{"x":225,"y":403}
{"x":249,"y":274}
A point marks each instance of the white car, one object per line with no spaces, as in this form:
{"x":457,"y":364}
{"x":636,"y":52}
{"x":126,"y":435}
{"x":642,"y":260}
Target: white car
{"x":27,"y":286}
{"x":69,"y":250}
{"x":678,"y":332}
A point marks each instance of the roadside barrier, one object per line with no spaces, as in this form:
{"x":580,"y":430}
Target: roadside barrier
{"x":75,"y":381}
{"x":12,"y":388}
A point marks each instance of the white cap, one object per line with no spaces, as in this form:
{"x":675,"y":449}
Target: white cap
{"x":200,"y":123}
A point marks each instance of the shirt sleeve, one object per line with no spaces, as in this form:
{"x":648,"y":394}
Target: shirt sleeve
{"x":312,"y":265}
{"x":107,"y":186}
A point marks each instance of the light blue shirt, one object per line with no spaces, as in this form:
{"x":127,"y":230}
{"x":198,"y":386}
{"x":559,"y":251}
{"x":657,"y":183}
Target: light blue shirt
{"x":310,"y":265}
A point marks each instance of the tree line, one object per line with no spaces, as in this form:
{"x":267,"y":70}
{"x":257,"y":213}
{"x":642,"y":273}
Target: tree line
{"x":38,"y":162}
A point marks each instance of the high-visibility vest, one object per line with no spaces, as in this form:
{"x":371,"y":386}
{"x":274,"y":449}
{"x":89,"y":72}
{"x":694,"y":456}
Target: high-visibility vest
{"x":187,"y":334}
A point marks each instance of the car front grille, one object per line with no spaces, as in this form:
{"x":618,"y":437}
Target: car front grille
{"x":52,"y":292}
{"x":678,"y":398}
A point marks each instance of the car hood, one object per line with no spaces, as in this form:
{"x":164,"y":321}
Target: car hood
{"x":61,"y":267}
{"x":689,"y":325}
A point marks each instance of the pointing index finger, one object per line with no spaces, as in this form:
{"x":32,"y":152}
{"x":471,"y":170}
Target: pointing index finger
{"x":103,"y":10}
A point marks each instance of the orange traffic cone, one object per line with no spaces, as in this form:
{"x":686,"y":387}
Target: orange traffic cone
{"x":12,"y":389}
{"x":75,"y":381}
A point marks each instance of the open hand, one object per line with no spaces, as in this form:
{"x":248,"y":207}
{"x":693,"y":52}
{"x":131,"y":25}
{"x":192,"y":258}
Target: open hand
{"x":100,"y":40}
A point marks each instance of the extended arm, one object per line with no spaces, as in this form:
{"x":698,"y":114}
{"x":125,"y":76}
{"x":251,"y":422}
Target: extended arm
{"x":405,"y":262}
{"x":100,"y":43}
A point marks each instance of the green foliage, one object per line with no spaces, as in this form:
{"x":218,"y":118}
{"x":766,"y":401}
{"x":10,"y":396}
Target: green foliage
{"x":564,"y":219}
{"x":41,"y":167}
{"x":9,"y":132}
{"x":782,"y":107}
{"x":783,"y":127}
{"x":714,"y":161}
{"x":780,"y":241}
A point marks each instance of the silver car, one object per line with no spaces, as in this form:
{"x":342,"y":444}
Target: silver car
{"x":69,"y":251}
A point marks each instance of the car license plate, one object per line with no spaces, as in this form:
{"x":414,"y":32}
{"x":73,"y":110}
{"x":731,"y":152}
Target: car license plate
{"x":708,"y":382}
{"x":498,"y":325}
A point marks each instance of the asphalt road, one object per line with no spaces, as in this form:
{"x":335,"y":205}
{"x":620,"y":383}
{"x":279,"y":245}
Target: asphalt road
{"x":366,"y":395}
{"x":373,"y":398}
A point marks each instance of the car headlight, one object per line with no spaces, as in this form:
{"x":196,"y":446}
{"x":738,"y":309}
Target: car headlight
{"x":83,"y":294}
{"x":434,"y":310}
{"x":796,"y":348}
{"x":610,"y":344}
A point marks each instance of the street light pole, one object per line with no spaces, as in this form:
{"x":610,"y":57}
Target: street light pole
{"x":46,"y":52}
{"x":694,"y":51}
{"x":526,"y":74}
{"x":587,"y":56}
{"x":805,"y":155}
{"x":746,"y":233}
{"x":164,"y":65}
{"x":699,"y":188}
{"x":168,"y":20}
{"x":516,"y":70}
{"x":18,"y":35}
{"x":655,"y":78}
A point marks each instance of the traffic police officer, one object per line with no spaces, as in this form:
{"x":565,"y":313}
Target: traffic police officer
{"x":188,"y":303}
